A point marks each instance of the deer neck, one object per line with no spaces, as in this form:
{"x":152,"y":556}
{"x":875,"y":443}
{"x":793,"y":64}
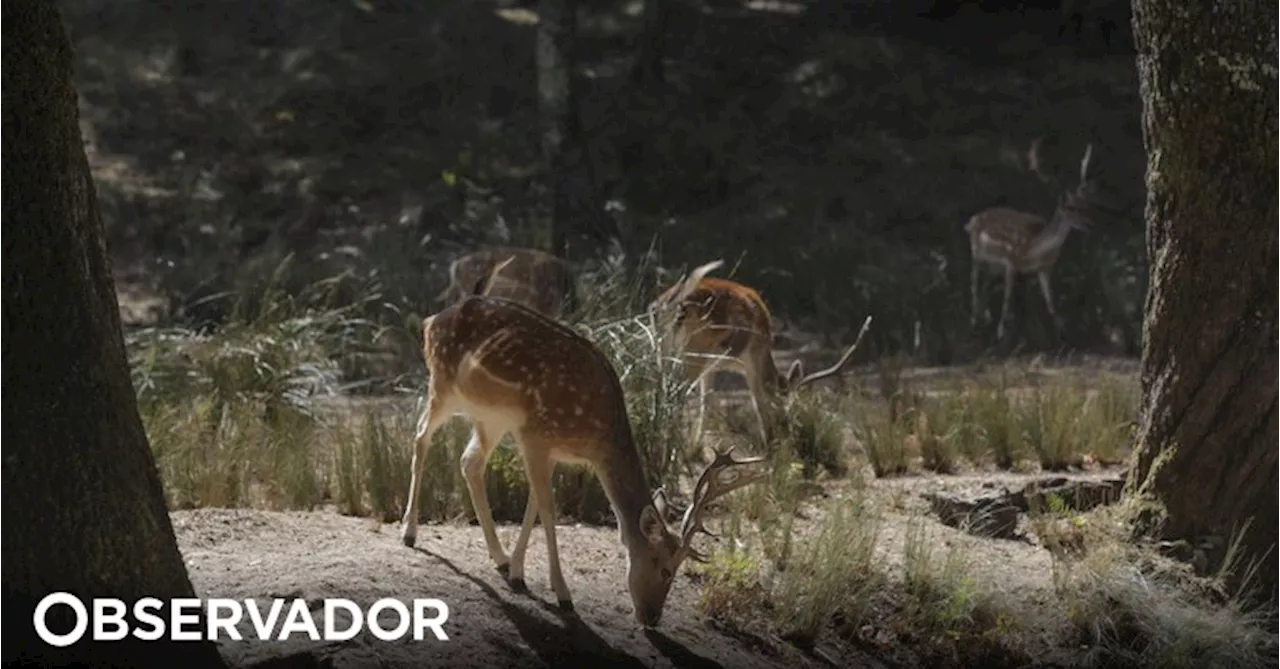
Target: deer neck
{"x":1052,"y":237}
{"x":621,"y":474}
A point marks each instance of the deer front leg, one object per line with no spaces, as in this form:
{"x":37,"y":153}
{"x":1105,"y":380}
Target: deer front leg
{"x":473,"y":462}
{"x":539,"y":467}
{"x":1046,"y":290}
{"x":1009,"y":276}
{"x":433,"y":416}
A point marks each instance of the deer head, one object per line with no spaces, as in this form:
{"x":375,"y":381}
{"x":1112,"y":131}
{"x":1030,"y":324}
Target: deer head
{"x":653,"y":565}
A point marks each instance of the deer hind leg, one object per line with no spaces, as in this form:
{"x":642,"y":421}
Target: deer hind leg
{"x":473,"y":462}
{"x":1046,"y":290}
{"x":539,"y":467}
{"x":1009,"y":276}
{"x":515,"y":573}
{"x":702,"y":376}
{"x":762,"y":402}
{"x":433,"y":416}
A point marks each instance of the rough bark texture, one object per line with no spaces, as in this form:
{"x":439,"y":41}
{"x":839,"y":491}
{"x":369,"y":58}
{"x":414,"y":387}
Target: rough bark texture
{"x":651,"y":46}
{"x":1209,"y":365}
{"x":83,"y":508}
{"x":557,"y":109}
{"x":570,"y":182}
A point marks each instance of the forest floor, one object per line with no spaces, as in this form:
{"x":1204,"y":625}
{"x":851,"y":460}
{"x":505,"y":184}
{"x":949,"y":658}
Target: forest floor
{"x":245,"y":554}
{"x":241,"y":554}
{"x":239,"y":134}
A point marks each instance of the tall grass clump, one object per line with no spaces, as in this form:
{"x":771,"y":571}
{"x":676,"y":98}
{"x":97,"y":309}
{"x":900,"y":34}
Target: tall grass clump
{"x":995,"y":430}
{"x":1111,"y":415}
{"x":932,"y":436}
{"x":941,"y":598}
{"x":371,"y":464}
{"x":831,"y":573}
{"x":1051,"y":419}
{"x":807,"y":430}
{"x":1129,"y":608}
{"x":799,"y":583}
{"x":812,"y":428}
{"x":954,"y":415}
{"x":231,"y":413}
{"x":883,"y":437}
{"x":612,"y":314}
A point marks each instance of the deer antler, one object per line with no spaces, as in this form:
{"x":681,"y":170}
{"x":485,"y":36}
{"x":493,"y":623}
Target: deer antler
{"x":1084,"y":163}
{"x":1036,"y":163}
{"x":844,"y":359}
{"x":1084,"y":168}
{"x":720,"y":478}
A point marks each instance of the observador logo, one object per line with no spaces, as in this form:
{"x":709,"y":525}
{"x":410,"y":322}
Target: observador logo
{"x":277,"y":619}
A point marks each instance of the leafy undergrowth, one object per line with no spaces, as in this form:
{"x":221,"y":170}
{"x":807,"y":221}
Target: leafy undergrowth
{"x":243,"y":416}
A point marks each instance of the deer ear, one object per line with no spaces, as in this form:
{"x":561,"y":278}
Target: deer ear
{"x":795,"y":372}
{"x":652,"y":526}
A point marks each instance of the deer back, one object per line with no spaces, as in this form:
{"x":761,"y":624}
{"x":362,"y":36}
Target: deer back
{"x":720,"y":316}
{"x":505,"y":360}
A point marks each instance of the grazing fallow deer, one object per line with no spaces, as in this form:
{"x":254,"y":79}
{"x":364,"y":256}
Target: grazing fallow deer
{"x":534,"y":278}
{"x":513,"y":370}
{"x":721,"y":325}
{"x":1019,"y":242}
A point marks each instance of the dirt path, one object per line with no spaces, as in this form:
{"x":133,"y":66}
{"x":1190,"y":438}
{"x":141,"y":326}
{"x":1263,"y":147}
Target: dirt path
{"x":244,"y":554}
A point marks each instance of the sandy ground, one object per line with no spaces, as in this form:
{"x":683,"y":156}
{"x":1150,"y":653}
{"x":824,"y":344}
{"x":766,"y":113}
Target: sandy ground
{"x":244,"y":554}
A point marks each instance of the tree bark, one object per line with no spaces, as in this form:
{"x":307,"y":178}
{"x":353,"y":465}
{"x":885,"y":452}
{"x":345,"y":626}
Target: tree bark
{"x":651,"y":48}
{"x":570,"y":182}
{"x":83,"y":507}
{"x":1208,"y":434}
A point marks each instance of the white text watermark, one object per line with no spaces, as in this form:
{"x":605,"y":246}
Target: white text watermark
{"x":278,"y":619}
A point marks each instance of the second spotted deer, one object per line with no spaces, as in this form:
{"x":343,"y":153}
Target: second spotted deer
{"x":534,"y":278}
{"x":718,"y":324}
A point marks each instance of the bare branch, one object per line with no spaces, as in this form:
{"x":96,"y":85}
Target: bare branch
{"x":844,"y":359}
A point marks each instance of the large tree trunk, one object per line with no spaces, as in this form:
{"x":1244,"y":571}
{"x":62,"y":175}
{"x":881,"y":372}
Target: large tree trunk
{"x":1208,"y":436}
{"x":83,"y":510}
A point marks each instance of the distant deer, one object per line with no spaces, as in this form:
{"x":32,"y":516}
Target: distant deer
{"x":722,"y":325}
{"x":537,"y":279}
{"x":515,"y":371}
{"x":1019,"y":242}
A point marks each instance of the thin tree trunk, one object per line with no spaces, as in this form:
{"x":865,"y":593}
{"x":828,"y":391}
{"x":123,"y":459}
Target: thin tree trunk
{"x":575,"y":210}
{"x":557,"y":25}
{"x":83,"y":506}
{"x":652,"y":46}
{"x":1209,"y":365}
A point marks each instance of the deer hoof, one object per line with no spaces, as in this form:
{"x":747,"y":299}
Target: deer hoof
{"x":518,"y":586}
{"x":504,"y":569}
{"x":566,"y":605}
{"x":409,"y":540}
